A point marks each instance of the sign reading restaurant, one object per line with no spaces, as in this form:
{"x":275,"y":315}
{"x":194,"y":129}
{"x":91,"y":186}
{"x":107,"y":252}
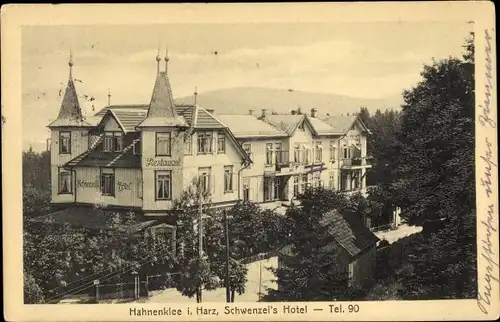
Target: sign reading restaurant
{"x":151,"y":162}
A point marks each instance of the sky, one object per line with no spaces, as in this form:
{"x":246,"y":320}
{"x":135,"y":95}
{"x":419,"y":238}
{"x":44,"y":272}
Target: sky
{"x":366,"y":60}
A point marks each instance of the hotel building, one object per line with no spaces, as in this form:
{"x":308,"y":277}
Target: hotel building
{"x":142,"y":157}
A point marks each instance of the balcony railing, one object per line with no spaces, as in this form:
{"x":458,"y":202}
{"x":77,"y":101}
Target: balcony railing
{"x":353,"y":162}
{"x":282,"y":158}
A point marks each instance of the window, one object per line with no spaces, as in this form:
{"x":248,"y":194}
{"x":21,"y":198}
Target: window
{"x":305,"y":155}
{"x":318,"y":155}
{"x":277,"y":189}
{"x":333,"y":151}
{"x":221,"y":142}
{"x":188,"y":145}
{"x":248,"y":149}
{"x":301,"y":126}
{"x":331,"y":181}
{"x":163,"y":185}
{"x":108,"y":182}
{"x":246,"y":191}
{"x":279,"y":154}
{"x":163,"y":144}
{"x":108,"y":142}
{"x":113,"y":142}
{"x":295,"y":186}
{"x":296,"y":153}
{"x":118,"y":142}
{"x":65,"y":186}
{"x":269,"y":153}
{"x":204,"y":142}
{"x":272,"y":189}
{"x":204,"y":177}
{"x":136,"y":149}
{"x":65,"y":142}
{"x":316,"y":179}
{"x":304,"y":183}
{"x":347,"y":153}
{"x":228,"y":178}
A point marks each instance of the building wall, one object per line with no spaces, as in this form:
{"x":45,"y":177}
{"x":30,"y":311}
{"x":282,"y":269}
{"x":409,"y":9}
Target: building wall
{"x":79,"y":144}
{"x":127,"y":187}
{"x":216,"y":162}
{"x":254,"y":175}
{"x":152,"y":163}
{"x":363,"y":267}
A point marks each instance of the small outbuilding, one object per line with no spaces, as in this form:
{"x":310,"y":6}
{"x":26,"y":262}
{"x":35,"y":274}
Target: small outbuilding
{"x":354,"y":244}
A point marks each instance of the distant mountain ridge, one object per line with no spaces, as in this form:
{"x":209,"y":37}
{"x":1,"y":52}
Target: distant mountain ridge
{"x":239,"y":100}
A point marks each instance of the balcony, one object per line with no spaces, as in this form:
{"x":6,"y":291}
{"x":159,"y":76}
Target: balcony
{"x":357,"y":162}
{"x":282,"y":159}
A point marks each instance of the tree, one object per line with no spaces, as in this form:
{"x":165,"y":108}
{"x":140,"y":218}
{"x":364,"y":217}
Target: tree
{"x":196,"y":272}
{"x":436,"y":170}
{"x":307,"y":273}
{"x":62,"y":259}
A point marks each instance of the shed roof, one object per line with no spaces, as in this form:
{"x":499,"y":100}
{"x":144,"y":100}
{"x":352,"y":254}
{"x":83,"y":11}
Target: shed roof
{"x":349,"y":231}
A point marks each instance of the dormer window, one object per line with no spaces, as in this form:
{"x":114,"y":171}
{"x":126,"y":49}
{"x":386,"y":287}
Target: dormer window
{"x":118,"y":142}
{"x":113,"y":142}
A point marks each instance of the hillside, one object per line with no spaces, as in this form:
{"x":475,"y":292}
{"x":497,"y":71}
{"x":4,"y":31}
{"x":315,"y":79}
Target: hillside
{"x":240,"y":99}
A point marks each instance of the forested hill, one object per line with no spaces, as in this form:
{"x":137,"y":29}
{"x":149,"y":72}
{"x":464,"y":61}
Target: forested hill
{"x":239,"y":100}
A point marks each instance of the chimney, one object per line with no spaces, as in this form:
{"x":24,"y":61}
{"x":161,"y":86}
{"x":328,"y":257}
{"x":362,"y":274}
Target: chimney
{"x":263,"y":113}
{"x":294,"y":112}
{"x":313,"y":112}
{"x":250,"y":112}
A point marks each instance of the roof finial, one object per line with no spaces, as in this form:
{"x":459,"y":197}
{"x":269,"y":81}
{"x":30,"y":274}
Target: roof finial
{"x":158,"y":59}
{"x":109,"y":97}
{"x":70,"y":63}
{"x":166,"y":58}
{"x":195,"y":95}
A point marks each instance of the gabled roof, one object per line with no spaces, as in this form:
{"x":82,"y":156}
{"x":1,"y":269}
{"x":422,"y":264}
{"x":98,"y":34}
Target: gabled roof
{"x":285,"y":122}
{"x":249,"y":126}
{"x":343,"y":123}
{"x":349,"y":231}
{"x":322,"y":128}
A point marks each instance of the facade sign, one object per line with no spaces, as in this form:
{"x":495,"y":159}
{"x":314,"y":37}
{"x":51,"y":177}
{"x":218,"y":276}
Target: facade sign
{"x":87,"y":184}
{"x":124,"y":186}
{"x":151,"y":162}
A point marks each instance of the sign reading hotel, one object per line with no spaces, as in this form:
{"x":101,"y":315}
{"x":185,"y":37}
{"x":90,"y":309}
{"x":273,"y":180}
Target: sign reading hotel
{"x":159,"y":163}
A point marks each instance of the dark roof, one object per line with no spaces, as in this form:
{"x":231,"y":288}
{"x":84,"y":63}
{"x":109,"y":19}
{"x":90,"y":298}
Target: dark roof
{"x":110,"y":159}
{"x":95,"y":157}
{"x":91,"y":218}
{"x":162,"y":111}
{"x":349,"y":231}
{"x":70,"y":113}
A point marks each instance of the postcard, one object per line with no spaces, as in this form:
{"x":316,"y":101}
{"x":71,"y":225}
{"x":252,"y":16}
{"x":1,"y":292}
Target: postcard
{"x":241,"y":162}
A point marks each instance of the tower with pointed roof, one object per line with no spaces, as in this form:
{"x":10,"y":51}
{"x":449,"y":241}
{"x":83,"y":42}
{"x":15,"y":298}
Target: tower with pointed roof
{"x":69,"y":138}
{"x":164,"y":129}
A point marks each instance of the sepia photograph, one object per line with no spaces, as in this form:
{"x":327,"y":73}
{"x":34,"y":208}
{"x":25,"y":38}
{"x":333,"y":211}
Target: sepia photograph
{"x":239,"y":163}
